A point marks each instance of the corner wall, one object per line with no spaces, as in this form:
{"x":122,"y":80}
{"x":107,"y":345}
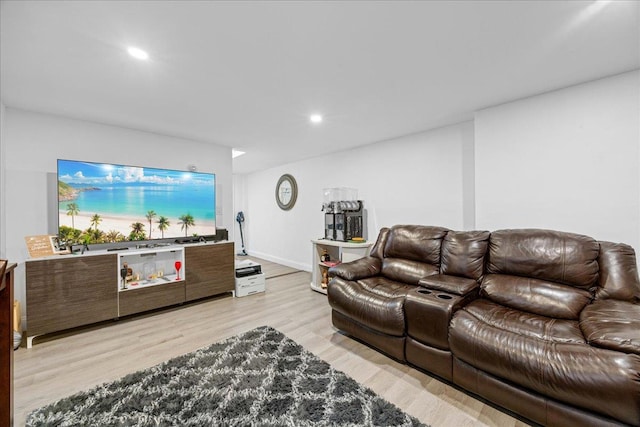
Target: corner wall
{"x":33,"y":142}
{"x":565,"y":160}
{"x":416,"y":179}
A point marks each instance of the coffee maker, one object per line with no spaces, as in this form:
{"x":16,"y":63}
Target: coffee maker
{"x":343,"y":220}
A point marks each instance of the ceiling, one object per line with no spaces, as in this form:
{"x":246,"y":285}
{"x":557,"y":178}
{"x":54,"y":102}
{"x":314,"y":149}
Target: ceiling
{"x":248,"y":74}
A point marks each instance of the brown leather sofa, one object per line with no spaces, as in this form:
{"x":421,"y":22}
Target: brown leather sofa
{"x":543,"y":323}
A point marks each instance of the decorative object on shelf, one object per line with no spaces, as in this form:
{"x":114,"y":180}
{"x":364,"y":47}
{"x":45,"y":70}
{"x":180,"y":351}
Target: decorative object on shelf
{"x":325,"y":279}
{"x":178,"y":265}
{"x":325,"y":256}
{"x":149,"y":270}
{"x":358,"y":240}
{"x":331,"y":263}
{"x":286,"y":192}
{"x":45,"y":245}
{"x":123,"y":275}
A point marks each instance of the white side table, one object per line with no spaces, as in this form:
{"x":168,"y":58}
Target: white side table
{"x":338,"y":252}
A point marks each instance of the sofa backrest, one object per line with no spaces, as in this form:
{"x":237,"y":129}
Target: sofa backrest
{"x":567,"y":258}
{"x":463,"y":253}
{"x":410,"y":252}
{"x":552,"y":273}
{"x":415,"y":242}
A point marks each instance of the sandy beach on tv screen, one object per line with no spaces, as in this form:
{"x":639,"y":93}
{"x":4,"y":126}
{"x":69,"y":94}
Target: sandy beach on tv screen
{"x":123,"y":225}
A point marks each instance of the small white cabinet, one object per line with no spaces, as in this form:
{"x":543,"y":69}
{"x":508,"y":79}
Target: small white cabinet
{"x":338,"y":252}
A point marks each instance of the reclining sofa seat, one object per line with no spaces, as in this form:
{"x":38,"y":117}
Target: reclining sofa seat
{"x":523,"y":343}
{"x":367,"y":298}
{"x":543,"y":323}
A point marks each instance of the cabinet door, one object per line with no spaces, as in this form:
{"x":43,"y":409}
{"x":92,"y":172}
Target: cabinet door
{"x":138,"y":300}
{"x":69,"y":292}
{"x":209,"y":270}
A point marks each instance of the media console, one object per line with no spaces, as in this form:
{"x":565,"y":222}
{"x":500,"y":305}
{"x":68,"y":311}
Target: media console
{"x":67,"y":291}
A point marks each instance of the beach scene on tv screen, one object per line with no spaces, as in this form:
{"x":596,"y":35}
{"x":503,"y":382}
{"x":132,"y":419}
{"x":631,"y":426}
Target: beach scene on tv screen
{"x":103,"y":203}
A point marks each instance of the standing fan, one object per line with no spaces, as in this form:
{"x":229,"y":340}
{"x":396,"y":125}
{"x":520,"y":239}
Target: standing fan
{"x":240,"y":219}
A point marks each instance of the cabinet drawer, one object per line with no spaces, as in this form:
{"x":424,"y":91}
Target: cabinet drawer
{"x":143,"y":299}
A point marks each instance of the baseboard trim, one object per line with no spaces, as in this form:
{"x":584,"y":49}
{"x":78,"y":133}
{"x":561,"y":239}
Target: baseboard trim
{"x":278,"y":260}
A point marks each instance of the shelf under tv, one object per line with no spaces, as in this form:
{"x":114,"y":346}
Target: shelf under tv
{"x":140,"y":284}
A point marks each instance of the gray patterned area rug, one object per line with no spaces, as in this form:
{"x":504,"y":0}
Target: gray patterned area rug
{"x":259,"y":378}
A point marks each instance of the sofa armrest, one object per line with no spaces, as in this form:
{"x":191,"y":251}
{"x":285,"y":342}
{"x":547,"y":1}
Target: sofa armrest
{"x":358,"y":269}
{"x":451,"y":284}
{"x":612,"y":324}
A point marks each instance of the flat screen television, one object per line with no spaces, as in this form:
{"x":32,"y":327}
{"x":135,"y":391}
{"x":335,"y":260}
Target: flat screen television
{"x":108,"y":203}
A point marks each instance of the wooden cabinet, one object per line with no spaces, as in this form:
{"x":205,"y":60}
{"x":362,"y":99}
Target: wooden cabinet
{"x":211,"y":270}
{"x":68,"y":291}
{"x":71,"y":291}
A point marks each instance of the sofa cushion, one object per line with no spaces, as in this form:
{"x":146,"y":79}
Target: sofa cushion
{"x":535,"y":296}
{"x":526,"y":324}
{"x":612,"y":324}
{"x":618,"y":272}
{"x":415,"y":242}
{"x":379,"y":307}
{"x":463,"y":253}
{"x":406,"y":271}
{"x":571,"y":259}
{"x":538,"y":354}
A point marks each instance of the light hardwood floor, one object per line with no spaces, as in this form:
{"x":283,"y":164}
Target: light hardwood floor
{"x":60,"y":365}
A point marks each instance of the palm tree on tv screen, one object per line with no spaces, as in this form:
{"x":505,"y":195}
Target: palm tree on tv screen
{"x":72,"y":211}
{"x":137,"y":231}
{"x":114,"y":236}
{"x":95,"y":220}
{"x":150,"y":215}
{"x":186,"y":221}
{"x":163,"y":224}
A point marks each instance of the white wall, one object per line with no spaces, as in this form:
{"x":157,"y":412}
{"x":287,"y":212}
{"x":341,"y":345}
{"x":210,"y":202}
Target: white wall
{"x":3,"y":234}
{"x":33,"y":142}
{"x":565,"y":160}
{"x":240,"y":203}
{"x":417,"y":179}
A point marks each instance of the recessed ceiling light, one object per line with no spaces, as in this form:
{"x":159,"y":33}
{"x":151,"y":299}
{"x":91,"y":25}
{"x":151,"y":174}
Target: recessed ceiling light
{"x":236,"y":153}
{"x":315,"y":118}
{"x":138,"y":53}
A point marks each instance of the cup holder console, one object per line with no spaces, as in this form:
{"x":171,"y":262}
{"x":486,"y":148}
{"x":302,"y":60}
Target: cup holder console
{"x":429,"y":312}
{"x":425,"y":291}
